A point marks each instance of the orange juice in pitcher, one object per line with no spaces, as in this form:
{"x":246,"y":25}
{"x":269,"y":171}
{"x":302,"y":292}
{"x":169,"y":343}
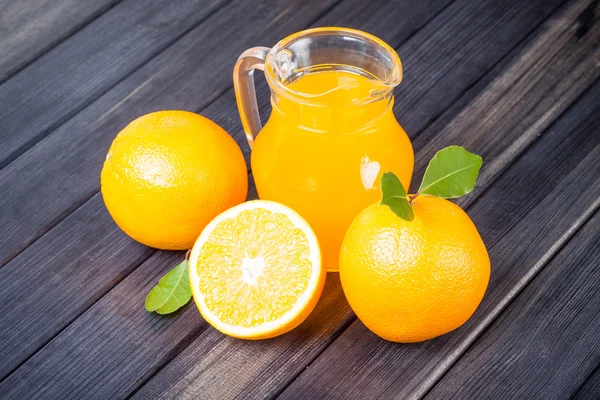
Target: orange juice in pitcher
{"x":332,"y":132}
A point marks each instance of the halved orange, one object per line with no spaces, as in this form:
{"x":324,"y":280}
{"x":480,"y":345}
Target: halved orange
{"x":255,"y":271}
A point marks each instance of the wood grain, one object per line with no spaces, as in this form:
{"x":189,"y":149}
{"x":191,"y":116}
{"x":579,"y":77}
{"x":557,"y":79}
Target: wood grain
{"x":106,"y":358}
{"x":216,"y":366}
{"x":452,"y":53}
{"x":545,"y":344}
{"x":379,"y":17}
{"x":550,"y":71}
{"x":60,"y":276}
{"x":28,"y":28}
{"x":437,"y":67}
{"x":392,"y":21}
{"x":524,"y":218}
{"x":50,"y":91}
{"x":590,"y":389}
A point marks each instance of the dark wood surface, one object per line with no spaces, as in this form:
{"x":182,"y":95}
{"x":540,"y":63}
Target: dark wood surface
{"x":71,"y":76}
{"x":29,"y":30}
{"x":557,"y":320}
{"x":514,"y":81}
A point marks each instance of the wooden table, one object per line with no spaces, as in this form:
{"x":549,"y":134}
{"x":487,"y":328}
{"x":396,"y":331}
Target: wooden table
{"x":514,"y":81}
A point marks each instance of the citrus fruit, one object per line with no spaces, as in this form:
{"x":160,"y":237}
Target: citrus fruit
{"x":412,"y":281}
{"x":255,"y":271}
{"x":167,"y":174}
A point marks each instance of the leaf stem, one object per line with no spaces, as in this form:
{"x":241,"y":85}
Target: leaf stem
{"x":412,"y":197}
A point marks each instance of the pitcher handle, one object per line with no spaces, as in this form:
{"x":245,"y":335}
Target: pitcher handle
{"x":245,"y":93}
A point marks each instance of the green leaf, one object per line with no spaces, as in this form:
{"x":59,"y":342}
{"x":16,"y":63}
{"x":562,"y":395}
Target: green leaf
{"x":451,"y":173}
{"x":394,"y":196}
{"x":172,"y":291}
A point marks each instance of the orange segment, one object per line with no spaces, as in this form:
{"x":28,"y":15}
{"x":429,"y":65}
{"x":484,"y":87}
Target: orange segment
{"x":256,"y":271}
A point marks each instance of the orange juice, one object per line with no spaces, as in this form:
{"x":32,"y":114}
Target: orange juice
{"x":323,"y":151}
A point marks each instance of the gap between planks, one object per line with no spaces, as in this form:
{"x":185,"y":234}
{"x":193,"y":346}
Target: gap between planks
{"x":141,"y":261}
{"x":309,"y":18}
{"x":525,"y":335}
{"x":209,"y":104}
{"x":47,"y":132}
{"x":582,"y":388}
{"x":71,"y":209}
{"x":558,"y":237}
{"x":437,"y":374}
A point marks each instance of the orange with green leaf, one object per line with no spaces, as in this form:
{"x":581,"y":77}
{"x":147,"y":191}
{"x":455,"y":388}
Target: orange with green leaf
{"x":414,"y":267}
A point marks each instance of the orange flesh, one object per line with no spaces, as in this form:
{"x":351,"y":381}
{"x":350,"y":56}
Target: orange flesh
{"x":242,"y":264}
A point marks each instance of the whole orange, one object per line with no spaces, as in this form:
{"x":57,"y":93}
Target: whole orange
{"x":168,"y":174}
{"x":412,"y":281}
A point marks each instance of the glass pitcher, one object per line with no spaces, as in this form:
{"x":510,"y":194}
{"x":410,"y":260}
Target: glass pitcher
{"x":331,"y":133}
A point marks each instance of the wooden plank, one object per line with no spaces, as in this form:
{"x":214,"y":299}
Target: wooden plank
{"x":392,"y":21}
{"x":552,"y":71}
{"x":133,"y":344}
{"x":216,"y":366}
{"x":59,"y":277}
{"x":184,"y":377}
{"x":50,"y":91}
{"x":524,"y":218}
{"x":453,"y":52}
{"x":545,"y":344}
{"x":60,"y":173}
{"x":590,"y":390}
{"x":378,"y":17}
{"x":29,"y":28}
{"x":20,"y":350}
{"x":116,"y":345}
{"x":34,"y":317}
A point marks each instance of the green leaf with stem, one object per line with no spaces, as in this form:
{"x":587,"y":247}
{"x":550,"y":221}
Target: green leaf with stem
{"x":172,"y":291}
{"x":394,"y":196}
{"x":451,"y":173}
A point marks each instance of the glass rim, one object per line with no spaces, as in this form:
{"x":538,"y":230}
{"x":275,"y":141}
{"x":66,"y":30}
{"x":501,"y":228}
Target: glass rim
{"x":393,"y":80}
